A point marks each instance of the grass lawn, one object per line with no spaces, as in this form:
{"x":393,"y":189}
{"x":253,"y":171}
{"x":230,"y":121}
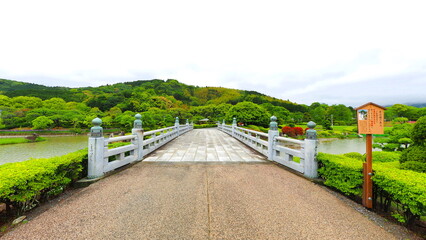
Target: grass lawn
{"x":4,"y":141}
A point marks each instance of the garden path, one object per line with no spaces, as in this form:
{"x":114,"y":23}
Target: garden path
{"x":173,"y":198}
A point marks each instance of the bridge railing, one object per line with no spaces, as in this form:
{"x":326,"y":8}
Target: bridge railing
{"x":296,"y":154}
{"x":104,"y":158}
{"x":254,"y":139}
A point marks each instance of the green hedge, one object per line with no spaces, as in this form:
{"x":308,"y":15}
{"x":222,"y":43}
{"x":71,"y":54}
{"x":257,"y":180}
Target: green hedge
{"x":355,"y":155}
{"x":403,"y":187}
{"x":341,"y":172}
{"x":23,"y":184}
{"x":379,"y":156}
{"x":196,"y":126}
{"x":414,"y":166}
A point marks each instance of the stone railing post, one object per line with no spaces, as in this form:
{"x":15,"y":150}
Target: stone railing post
{"x":138,"y":131}
{"x":95,"y":168}
{"x":311,"y":164}
{"x":177,"y":125}
{"x":234,"y":125}
{"x":272,"y":134}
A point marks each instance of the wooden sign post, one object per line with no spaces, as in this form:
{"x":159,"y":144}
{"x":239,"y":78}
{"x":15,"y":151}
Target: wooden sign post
{"x":370,"y":121}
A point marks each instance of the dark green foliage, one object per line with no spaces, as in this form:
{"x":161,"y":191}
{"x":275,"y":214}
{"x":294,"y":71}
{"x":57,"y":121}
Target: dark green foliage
{"x":23,"y":184}
{"x":418,"y":134}
{"x":14,"y":88}
{"x":414,"y":153}
{"x":414,"y":166}
{"x":326,"y":124}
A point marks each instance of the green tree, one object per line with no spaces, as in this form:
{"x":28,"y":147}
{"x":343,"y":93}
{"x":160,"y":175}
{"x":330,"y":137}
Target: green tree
{"x":5,"y":101}
{"x":55,"y":104}
{"x":399,"y":138}
{"x":319,"y":113}
{"x":414,"y":157}
{"x":249,"y":113}
{"x":418,"y":134}
{"x":400,"y":120}
{"x":42,"y":122}
{"x":26,"y":102}
{"x":342,"y":115}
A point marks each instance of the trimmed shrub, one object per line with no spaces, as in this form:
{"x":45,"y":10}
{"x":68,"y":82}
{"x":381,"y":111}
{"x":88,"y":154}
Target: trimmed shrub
{"x":298,"y":131}
{"x":414,"y":166}
{"x":405,"y":188}
{"x":341,"y":172}
{"x":289,"y":131}
{"x":402,"y":186}
{"x":377,"y":156}
{"x":197,"y":126}
{"x":386,"y":156}
{"x":23,"y":184}
{"x":355,"y":155}
{"x":292,"y":131}
{"x":414,"y":153}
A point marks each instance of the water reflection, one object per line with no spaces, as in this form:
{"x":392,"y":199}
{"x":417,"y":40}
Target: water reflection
{"x":54,"y":146}
{"x":340,"y":146}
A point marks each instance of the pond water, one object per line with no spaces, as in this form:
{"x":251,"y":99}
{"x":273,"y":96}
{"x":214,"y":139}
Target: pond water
{"x":54,"y":146}
{"x":60,"y":145}
{"x":340,"y":146}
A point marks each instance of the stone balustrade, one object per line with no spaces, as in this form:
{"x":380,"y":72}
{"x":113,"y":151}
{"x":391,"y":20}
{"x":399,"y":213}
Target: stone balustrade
{"x":280,"y":149}
{"x":103,"y":158}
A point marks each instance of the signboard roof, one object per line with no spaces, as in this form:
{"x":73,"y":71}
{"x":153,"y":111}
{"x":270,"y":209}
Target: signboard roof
{"x":370,"y":103}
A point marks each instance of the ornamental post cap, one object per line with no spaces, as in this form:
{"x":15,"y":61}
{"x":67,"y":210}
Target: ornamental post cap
{"x":97,"y":121}
{"x":311,"y":124}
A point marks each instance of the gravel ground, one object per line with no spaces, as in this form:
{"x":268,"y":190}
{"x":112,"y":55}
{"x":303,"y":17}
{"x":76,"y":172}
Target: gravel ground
{"x":206,"y":185}
{"x":203,"y":201}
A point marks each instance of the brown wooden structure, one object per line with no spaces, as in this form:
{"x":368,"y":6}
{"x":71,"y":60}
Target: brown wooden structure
{"x":371,"y":119}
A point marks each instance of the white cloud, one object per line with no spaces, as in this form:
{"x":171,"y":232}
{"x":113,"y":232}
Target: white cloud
{"x":289,"y":49}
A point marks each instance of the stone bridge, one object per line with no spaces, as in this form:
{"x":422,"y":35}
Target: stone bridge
{"x":204,"y":184}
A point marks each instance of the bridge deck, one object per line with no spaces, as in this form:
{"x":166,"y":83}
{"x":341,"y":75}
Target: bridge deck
{"x":205,"y":145}
{"x":153,"y":200}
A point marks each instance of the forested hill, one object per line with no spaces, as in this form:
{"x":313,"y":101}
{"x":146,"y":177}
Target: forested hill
{"x":26,"y":105}
{"x":14,"y":88}
{"x":143,"y":94}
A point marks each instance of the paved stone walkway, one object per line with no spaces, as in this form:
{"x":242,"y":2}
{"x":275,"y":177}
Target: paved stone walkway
{"x":205,"y":145}
{"x":181,"y":200}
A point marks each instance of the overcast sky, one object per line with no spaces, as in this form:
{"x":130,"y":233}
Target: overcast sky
{"x":305,"y":51}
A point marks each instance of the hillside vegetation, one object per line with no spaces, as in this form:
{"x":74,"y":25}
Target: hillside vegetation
{"x":26,"y":105}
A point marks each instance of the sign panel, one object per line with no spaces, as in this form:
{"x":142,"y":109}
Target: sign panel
{"x":371,"y":119}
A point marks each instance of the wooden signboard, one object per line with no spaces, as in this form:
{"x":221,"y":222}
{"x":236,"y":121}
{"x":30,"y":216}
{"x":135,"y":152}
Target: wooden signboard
{"x":370,"y":121}
{"x":371,"y":118}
